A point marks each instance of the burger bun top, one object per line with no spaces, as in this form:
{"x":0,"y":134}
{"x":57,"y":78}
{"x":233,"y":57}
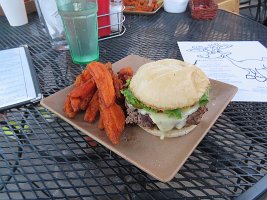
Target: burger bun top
{"x":169,"y":84}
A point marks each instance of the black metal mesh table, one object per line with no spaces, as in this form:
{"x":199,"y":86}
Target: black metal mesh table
{"x":42,"y":157}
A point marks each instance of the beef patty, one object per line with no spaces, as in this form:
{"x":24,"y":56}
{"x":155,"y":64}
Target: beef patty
{"x":144,"y":120}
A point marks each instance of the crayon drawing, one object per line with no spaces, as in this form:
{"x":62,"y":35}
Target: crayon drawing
{"x":240,"y":63}
{"x":255,"y":68}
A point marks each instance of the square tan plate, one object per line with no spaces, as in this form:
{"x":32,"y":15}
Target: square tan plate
{"x":160,"y":158}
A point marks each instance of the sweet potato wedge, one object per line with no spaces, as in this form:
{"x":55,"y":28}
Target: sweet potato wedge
{"x":83,"y":77}
{"x":92,"y":109}
{"x":68,"y":110}
{"x":118,"y":85}
{"x":83,"y":90}
{"x":86,"y":100}
{"x":100,"y":123}
{"x":113,"y":120}
{"x":81,"y":95}
{"x":125,"y":73}
{"x":104,"y":82}
{"x":75,"y":103}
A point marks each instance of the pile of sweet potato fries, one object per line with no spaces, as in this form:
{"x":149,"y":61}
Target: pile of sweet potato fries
{"x":141,"y":5}
{"x":97,"y":90}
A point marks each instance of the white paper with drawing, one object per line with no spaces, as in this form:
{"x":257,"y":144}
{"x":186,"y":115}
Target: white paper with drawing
{"x":243,"y":64}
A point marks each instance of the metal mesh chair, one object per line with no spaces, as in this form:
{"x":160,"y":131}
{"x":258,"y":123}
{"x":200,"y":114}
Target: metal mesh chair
{"x":257,"y":9}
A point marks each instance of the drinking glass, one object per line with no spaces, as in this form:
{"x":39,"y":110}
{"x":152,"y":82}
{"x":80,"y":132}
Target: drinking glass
{"x":50,"y":19}
{"x":80,"y":24}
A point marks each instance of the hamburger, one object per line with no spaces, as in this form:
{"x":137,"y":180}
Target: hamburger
{"x":167,"y":98}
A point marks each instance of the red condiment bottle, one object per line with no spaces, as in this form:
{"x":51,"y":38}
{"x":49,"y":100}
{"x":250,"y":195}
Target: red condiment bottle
{"x":103,"y":18}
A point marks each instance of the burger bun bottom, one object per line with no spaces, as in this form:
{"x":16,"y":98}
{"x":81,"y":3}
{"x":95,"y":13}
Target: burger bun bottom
{"x":171,"y":133}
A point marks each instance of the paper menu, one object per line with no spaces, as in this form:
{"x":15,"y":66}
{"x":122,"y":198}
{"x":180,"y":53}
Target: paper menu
{"x":18,"y":82}
{"x":240,"y":63}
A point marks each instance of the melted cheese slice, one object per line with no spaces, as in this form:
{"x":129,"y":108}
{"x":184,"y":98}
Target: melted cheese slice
{"x":166,"y":123}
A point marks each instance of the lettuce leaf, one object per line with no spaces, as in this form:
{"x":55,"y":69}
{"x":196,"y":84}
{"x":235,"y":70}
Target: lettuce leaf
{"x":204,"y":99}
{"x":176,"y":113}
{"x":131,"y":99}
{"x":128,"y":81}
